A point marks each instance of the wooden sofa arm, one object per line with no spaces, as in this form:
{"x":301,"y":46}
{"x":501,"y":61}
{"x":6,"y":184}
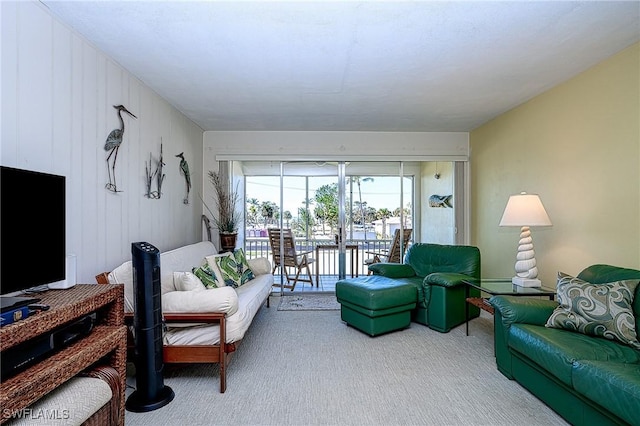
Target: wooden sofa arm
{"x":206,"y":317}
{"x":102,"y":278}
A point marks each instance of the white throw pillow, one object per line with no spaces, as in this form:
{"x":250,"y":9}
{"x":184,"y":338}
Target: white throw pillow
{"x":260,"y":265}
{"x":187,"y":281}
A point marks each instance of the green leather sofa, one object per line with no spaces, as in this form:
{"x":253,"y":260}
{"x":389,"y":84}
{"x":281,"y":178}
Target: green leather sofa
{"x":435,"y":271}
{"x":587,"y":380}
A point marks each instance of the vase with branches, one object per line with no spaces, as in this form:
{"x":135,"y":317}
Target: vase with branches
{"x":228,"y":218}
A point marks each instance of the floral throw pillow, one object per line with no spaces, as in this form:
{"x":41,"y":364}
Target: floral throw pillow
{"x":603,"y":310}
{"x":235,"y":268}
{"x":207,"y":276}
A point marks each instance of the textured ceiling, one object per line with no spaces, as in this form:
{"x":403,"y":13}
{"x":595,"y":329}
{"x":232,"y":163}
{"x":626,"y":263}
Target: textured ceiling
{"x":362,"y":66}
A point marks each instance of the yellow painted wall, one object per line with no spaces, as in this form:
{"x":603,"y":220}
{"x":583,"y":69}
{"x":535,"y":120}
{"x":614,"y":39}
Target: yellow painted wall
{"x":578,"y":147}
{"x":437,"y":224}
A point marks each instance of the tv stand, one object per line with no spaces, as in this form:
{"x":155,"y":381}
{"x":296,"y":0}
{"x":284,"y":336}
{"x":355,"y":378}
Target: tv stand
{"x":8,"y":303}
{"x":105,"y":344}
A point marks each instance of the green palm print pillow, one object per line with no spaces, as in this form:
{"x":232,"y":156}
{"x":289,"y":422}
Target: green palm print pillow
{"x":603,"y":310}
{"x":206,"y":275}
{"x":235,"y":268}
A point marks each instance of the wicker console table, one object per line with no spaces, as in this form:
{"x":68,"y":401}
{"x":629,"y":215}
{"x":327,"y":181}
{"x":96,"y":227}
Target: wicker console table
{"x":104,"y":345}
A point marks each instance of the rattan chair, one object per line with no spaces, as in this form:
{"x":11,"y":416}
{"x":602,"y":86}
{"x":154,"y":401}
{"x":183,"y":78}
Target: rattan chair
{"x":283,"y":245}
{"x":394,"y":254}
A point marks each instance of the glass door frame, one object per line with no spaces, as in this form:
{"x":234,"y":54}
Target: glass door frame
{"x":417,"y":196}
{"x":341,"y":167}
{"x":341,"y":220}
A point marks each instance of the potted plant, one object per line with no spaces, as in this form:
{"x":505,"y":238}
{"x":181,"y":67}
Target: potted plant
{"x":228,"y":218}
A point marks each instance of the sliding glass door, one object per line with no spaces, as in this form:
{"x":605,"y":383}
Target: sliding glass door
{"x":310,"y":202}
{"x":338,"y":213}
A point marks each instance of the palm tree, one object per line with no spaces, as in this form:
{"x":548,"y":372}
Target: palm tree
{"x":383,"y":214}
{"x":268,"y":210}
{"x":357,"y":180}
{"x":287,"y":216}
{"x":358,"y":216}
{"x":320,"y":214}
{"x":326,"y":210}
{"x":252,"y":211}
{"x":406,"y":213}
{"x":370,"y":214}
{"x":305,"y":222}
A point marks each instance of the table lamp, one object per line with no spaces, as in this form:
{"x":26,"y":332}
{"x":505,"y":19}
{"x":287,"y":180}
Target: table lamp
{"x":525,"y":210}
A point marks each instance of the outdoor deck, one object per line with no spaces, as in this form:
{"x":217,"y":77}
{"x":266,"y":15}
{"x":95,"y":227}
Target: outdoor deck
{"x":325,"y":256}
{"x":327,"y":284}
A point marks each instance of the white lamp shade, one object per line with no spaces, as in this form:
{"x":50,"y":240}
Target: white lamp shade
{"x":525,"y":210}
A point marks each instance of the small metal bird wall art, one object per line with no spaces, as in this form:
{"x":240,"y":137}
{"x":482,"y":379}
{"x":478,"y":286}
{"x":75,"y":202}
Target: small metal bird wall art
{"x":184,"y":168}
{"x":112,"y":145}
{"x":158,"y":174}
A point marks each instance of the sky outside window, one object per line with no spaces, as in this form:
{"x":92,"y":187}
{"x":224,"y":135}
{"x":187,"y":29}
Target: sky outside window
{"x":382,"y":192}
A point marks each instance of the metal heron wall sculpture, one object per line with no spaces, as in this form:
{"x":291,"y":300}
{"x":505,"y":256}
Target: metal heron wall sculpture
{"x":184,"y":167}
{"x":114,"y":140}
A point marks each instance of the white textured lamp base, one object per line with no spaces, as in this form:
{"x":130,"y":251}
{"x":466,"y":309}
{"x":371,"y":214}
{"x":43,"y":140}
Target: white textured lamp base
{"x":526,"y":282}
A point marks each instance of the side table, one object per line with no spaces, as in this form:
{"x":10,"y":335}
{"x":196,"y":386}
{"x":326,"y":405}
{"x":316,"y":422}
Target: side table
{"x":499,"y":286}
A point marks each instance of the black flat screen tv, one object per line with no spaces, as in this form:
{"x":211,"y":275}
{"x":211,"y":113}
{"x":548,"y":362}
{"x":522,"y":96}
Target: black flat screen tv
{"x":32,"y":229}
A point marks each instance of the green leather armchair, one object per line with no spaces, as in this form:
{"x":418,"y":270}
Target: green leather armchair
{"x":440,"y":270}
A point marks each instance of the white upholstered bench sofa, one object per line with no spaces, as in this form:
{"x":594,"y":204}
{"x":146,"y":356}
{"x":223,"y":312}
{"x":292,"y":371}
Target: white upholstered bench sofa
{"x":202,"y":325}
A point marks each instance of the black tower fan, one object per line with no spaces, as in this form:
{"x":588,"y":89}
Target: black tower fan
{"x":150,"y":393}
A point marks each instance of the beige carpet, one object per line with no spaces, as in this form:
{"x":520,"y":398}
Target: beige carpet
{"x":309,"y":368}
{"x":309,"y":302}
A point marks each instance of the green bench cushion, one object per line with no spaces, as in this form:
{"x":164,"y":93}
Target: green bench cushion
{"x":556,"y":349}
{"x":373,"y":313}
{"x":376,"y":305}
{"x":374,"y":326}
{"x":378,"y":293}
{"x":621,"y":395}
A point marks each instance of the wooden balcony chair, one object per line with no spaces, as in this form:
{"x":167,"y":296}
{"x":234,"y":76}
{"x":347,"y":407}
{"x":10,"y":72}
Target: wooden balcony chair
{"x":291,"y":259}
{"x":393,"y":255}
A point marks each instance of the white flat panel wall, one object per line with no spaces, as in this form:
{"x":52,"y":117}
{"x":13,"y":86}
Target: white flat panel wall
{"x":348,"y":146}
{"x":58,"y":94}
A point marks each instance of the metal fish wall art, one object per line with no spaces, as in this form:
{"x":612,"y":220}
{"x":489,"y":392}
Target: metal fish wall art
{"x":441,"y":201}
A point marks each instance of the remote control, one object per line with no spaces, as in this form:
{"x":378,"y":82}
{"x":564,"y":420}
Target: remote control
{"x":39,"y":307}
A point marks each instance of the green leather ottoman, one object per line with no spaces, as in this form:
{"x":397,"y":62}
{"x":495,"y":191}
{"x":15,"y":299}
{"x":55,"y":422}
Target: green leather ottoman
{"x":375,"y":304}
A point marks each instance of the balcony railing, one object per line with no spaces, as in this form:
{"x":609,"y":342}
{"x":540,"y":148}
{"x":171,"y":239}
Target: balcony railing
{"x":326,"y":263}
